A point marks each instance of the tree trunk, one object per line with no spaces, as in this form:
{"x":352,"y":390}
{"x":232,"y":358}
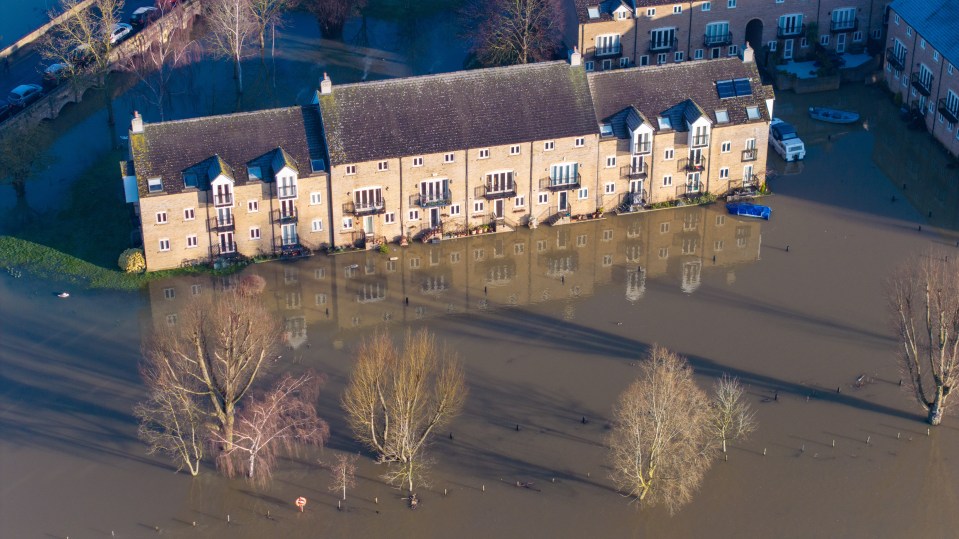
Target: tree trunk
{"x":238,"y":73}
{"x":228,"y":429}
{"x":252,"y":464}
{"x":20,"y":188}
{"x":935,"y":411}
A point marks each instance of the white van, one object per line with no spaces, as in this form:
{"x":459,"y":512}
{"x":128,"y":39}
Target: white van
{"x":785,"y":140}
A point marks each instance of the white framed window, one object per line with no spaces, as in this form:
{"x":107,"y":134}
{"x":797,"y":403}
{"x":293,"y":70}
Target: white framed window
{"x":610,"y":161}
{"x":895,"y":19}
{"x":191,"y":241}
{"x":752,"y":113}
{"x":316,"y":225}
{"x":161,"y":218}
{"x":169,"y":293}
{"x":548,"y":146}
{"x":661,"y":58}
{"x":609,"y":188}
{"x":252,"y":206}
{"x":949,"y":68}
{"x":254,"y":232}
{"x":669,"y":154}
{"x":678,"y":56}
{"x":579,"y":142}
{"x":542,"y":198}
{"x":484,"y":153}
{"x":417,"y":161}
{"x":583,"y":193}
{"x":350,"y":170}
{"x":414,"y":215}
{"x":155,"y":185}
{"x":347,"y":223}
{"x":651,"y":12}
{"x":454,"y":210}
{"x":772,"y":45}
{"x":750,"y":144}
{"x":382,"y":165}
{"x":195,"y":289}
{"x":909,"y":31}
{"x":449,"y":157}
{"x":723,"y":173}
{"x":590,"y":65}
{"x":520,"y":202}
{"x":664,"y":228}
{"x":707,"y":6}
{"x":189,"y":214}
{"x":514,"y":149}
{"x":622,"y":15}
{"x":730,"y":4}
{"x":677,"y":9}
{"x":857,"y":36}
{"x":698,"y":54}
{"x":935,"y":56}
{"x":726,"y":147}
{"x":733,"y":50}
{"x":478,"y":206}
{"x":316,"y":198}
{"x":824,"y":40}
{"x":667,"y":180}
{"x":644,"y":60}
{"x":164,"y":244}
{"x":624,"y":61}
{"x":922,"y":43}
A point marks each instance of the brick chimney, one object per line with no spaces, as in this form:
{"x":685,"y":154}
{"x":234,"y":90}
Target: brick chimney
{"x":575,"y":58}
{"x":749,"y":56}
{"x":326,"y":85}
{"x":136,"y":126}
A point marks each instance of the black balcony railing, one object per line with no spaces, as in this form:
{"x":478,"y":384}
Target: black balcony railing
{"x":560,"y":184}
{"x":951,"y":114}
{"x":898,"y":62}
{"x":223,"y":199}
{"x":636,"y":172}
{"x":790,"y":30}
{"x":286,"y":191}
{"x":663,"y":45}
{"x":750,"y":154}
{"x":922,"y":84}
{"x":220,"y":225}
{"x":288,"y":216}
{"x":487,"y":191}
{"x":699,"y":140}
{"x":849,"y":25}
{"x":693,"y":165}
{"x":223,"y":249}
{"x":717,"y":40}
{"x":604,"y":52}
{"x":432,"y":200}
{"x":288,"y":247}
{"x":688,"y":190}
{"x":644,"y":146}
{"x":365,"y":208}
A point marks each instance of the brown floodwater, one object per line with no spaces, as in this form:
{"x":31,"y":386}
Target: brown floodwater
{"x":550,"y":324}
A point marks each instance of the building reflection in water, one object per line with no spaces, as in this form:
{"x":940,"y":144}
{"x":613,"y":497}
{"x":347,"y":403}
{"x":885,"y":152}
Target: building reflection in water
{"x":325,"y":295}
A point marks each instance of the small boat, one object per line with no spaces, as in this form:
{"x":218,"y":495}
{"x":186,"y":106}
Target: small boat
{"x":63,"y":295}
{"x":834,"y":116}
{"x":747,"y":209}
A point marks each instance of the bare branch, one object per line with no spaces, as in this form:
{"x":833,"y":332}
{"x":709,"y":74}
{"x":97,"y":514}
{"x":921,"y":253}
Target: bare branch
{"x":506,"y":32}
{"x":732,"y":418}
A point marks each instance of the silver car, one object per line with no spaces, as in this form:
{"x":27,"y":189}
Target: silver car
{"x":120,"y":32}
{"x":23,"y":95}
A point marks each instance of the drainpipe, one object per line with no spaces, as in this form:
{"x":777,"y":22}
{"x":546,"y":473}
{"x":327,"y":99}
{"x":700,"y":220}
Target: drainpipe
{"x":466,"y":183}
{"x":635,"y":34}
{"x":531,"y":180}
{"x":912,"y":63}
{"x":935,"y":102}
{"x":689,"y":37}
{"x":402,"y":219}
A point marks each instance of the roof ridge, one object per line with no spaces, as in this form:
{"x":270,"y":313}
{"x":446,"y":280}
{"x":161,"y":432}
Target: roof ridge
{"x":452,"y":75}
{"x":224,"y":115}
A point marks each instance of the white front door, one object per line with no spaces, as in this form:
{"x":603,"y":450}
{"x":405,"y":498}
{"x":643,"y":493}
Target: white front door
{"x":368,"y":224}
{"x":635,"y":186}
{"x":226,"y":242}
{"x":287,"y":208}
{"x":498,"y":207}
{"x":289,"y":234}
{"x":788,"y":49}
{"x":841,"y":43}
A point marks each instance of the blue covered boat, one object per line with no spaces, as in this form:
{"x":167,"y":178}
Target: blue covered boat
{"x":834,"y":116}
{"x":748,"y":210}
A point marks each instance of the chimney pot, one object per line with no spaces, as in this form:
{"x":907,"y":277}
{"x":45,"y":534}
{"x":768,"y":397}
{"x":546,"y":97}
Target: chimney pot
{"x":575,"y":58}
{"x":136,"y":125}
{"x":749,"y":55}
{"x":326,"y":85}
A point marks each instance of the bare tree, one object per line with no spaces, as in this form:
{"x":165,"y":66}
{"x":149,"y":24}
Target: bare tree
{"x":232,"y":26}
{"x":396,"y":399}
{"x":172,"y":419}
{"x":507,"y":32}
{"x":218,"y":350}
{"x":661,"y":444}
{"x":924,"y":299}
{"x":732,"y":417}
{"x":343,"y":473}
{"x":23,"y":153}
{"x":267,"y":15}
{"x":332,"y":14}
{"x":282,"y":420}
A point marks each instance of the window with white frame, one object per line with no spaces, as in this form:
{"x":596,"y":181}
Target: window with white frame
{"x":589,"y":65}
{"x":909,"y":31}
{"x":169,"y":293}
{"x":723,"y":173}
{"x":316,"y":198}
{"x":195,"y":289}
{"x":155,"y":185}
{"x":165,"y":244}
{"x":189,"y":214}
{"x":668,"y":154}
{"x":382,"y":165}
{"x":707,"y":6}
{"x":772,"y":45}
{"x":733,"y":50}
{"x":414,"y":215}
{"x":677,"y":9}
{"x":161,"y":218}
{"x":667,"y":180}
{"x":730,"y":4}
{"x":454,"y":210}
{"x":191,"y":241}
{"x":857,"y":36}
{"x":449,"y":157}
{"x":389,"y":218}
{"x":824,"y":40}
{"x":548,"y":146}
{"x":514,"y":149}
{"x":609,"y":188}
{"x":610,"y":161}
{"x":484,"y":153}
{"x":624,"y":61}
{"x":679,"y":56}
{"x":349,"y":170}
{"x":579,"y":142}
{"x":607,"y":44}
{"x":922,"y":43}
{"x":417,"y":161}
{"x":583,"y":193}
{"x":478,"y":206}
{"x":254,"y":232}
{"x":935,"y":56}
{"x":520,"y":201}
{"x":347,"y":223}
{"x":661,"y":58}
{"x":949,"y":68}
{"x":316,"y":225}
{"x":726,"y":147}
{"x":651,"y":12}
{"x":698,"y":54}
{"x":542,"y":198}
{"x":622,"y":14}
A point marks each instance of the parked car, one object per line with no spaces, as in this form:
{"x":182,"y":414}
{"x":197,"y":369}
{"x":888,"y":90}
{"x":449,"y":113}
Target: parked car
{"x":81,"y":56}
{"x":23,"y":95}
{"x":54,"y":74}
{"x":121,"y":31}
{"x":785,"y":141}
{"x":144,"y":16}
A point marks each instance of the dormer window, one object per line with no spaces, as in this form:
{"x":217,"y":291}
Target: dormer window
{"x":286,"y":186}
{"x":753,"y":113}
{"x":622,"y":14}
{"x":317,"y":165}
{"x":722,"y":116}
{"x":664,"y":123}
{"x":255,"y":174}
{"x":155,"y":185}
{"x":593,"y":12}
{"x":606,"y":130}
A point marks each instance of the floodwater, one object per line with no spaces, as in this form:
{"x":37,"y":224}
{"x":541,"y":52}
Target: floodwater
{"x":550,"y":324}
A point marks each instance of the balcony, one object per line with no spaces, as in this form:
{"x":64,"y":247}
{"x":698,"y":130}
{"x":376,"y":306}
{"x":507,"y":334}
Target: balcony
{"x":223,"y":199}
{"x":688,"y":191}
{"x":638,"y":172}
{"x":643,"y":147}
{"x":352,"y":208}
{"x":750,"y":154}
{"x":283,"y":217}
{"x":289,"y":248}
{"x":922,"y":84}
{"x":286,"y":191}
{"x":220,"y":225}
{"x":560,"y":184}
{"x":717,"y":40}
{"x":790,"y":31}
{"x":489,"y":193}
{"x":898,"y":62}
{"x":692,"y":165}
{"x":951,"y":114}
{"x":605,"y":52}
{"x":663,"y":45}
{"x":431,"y":200}
{"x":837,"y":27}
{"x":223,"y":249}
{"x":697,"y":141}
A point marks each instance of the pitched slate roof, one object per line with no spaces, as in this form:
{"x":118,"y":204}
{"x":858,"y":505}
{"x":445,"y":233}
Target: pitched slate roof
{"x":934,"y":20}
{"x":679,"y":91}
{"x":605,"y":8}
{"x":228,"y":143}
{"x":467,"y":109}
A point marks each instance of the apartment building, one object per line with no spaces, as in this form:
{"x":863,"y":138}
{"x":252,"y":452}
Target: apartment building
{"x":623,"y":33}
{"x":921,"y":58}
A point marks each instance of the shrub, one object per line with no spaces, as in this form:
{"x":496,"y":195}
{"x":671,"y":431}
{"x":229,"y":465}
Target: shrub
{"x":132,"y":261}
{"x":252,"y":285}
